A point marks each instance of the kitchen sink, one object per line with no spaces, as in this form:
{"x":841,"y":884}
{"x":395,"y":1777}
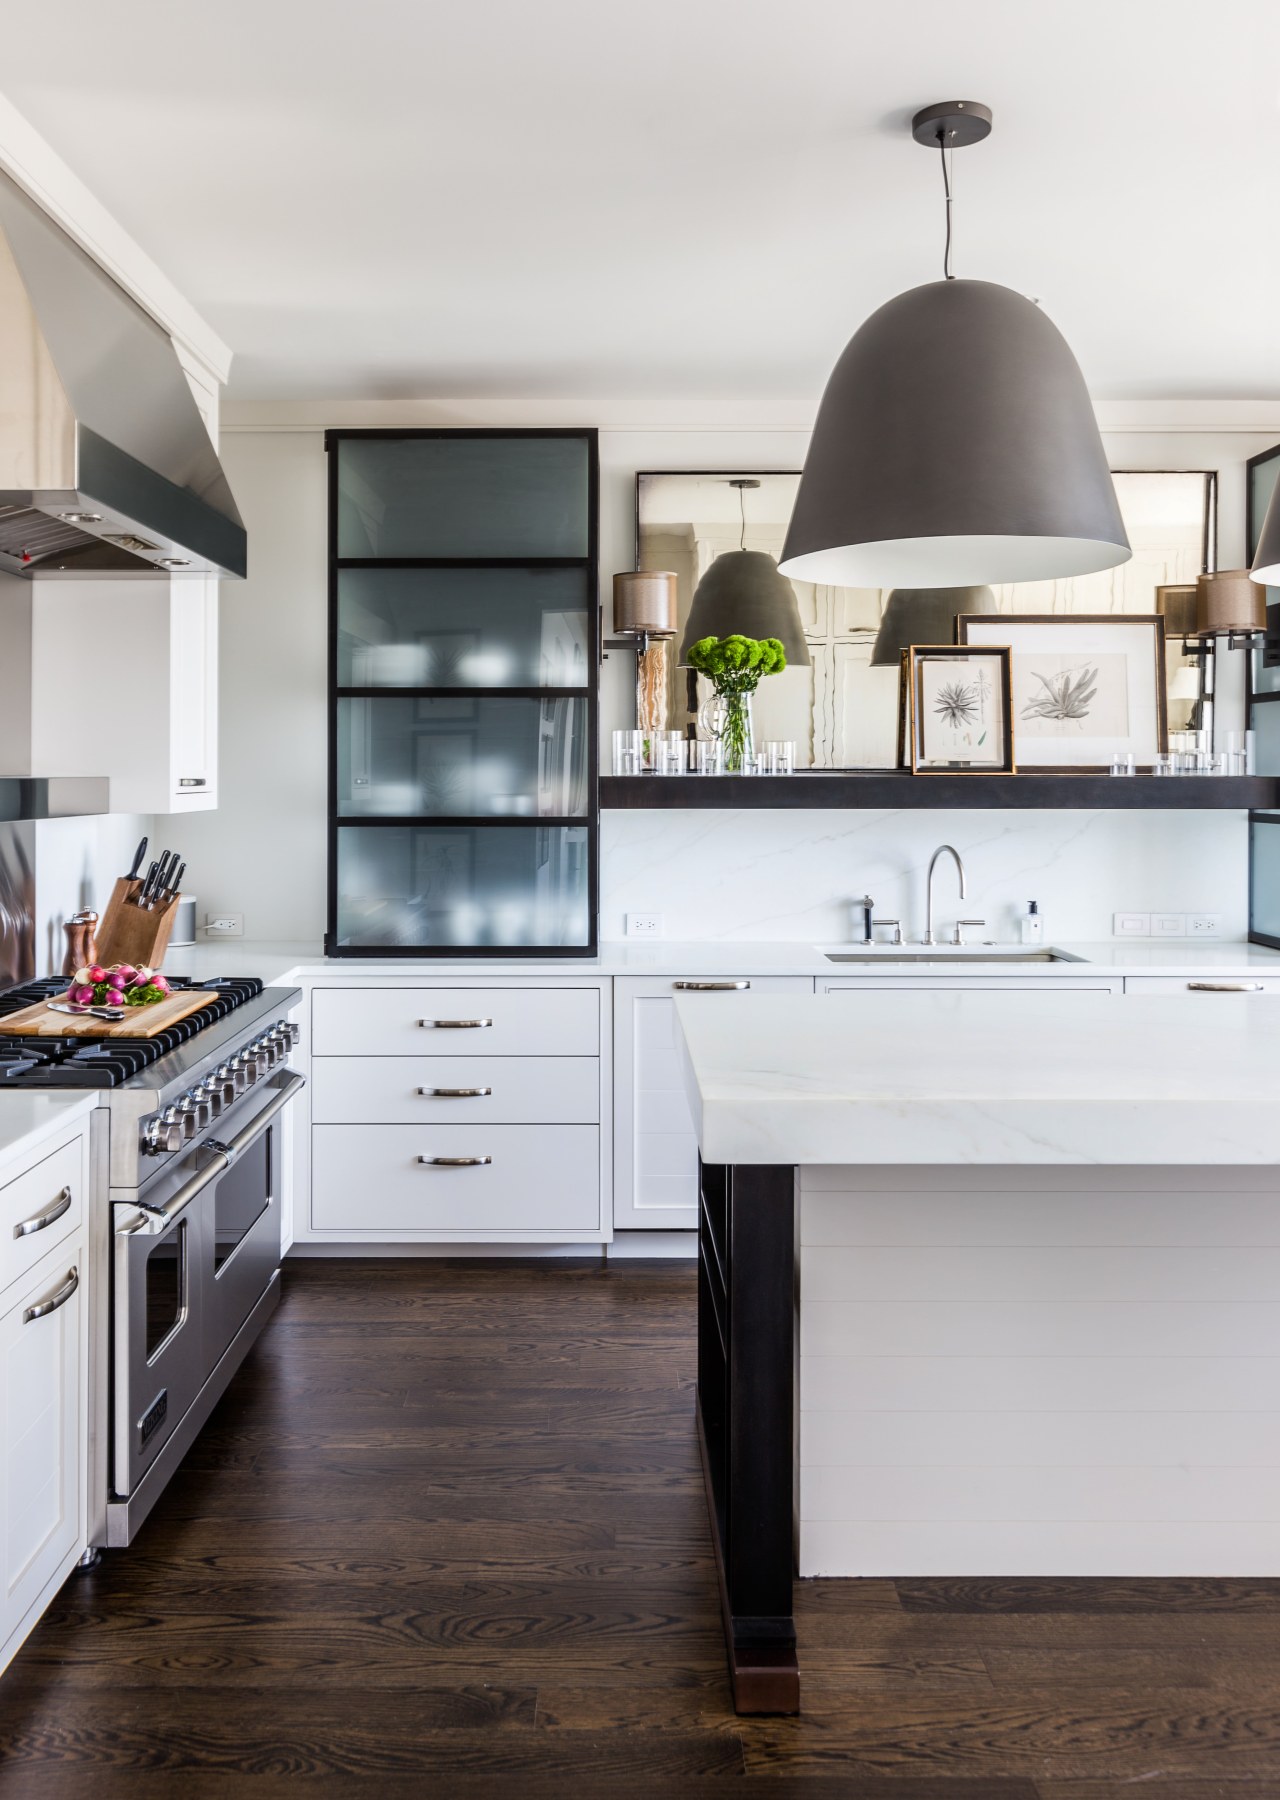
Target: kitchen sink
{"x":940,"y":955}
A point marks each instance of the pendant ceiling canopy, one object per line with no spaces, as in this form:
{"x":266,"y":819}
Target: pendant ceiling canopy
{"x":743,"y":592}
{"x":956,"y":444}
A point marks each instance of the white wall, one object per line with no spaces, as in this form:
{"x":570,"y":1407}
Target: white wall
{"x":77,"y":862}
{"x":772,"y":874}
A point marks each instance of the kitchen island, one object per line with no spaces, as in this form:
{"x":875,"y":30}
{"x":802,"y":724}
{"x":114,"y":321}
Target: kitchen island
{"x":989,"y":1284}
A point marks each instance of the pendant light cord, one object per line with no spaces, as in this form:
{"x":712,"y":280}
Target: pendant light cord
{"x":742,"y":508}
{"x":946,"y":188}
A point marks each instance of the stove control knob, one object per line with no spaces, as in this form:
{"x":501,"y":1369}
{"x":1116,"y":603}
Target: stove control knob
{"x":246,"y":1069}
{"x":235,"y":1078}
{"x":196,"y":1108}
{"x":223,"y":1083}
{"x":161,"y":1138}
{"x":213,"y":1094}
{"x":262,"y":1057}
{"x":292,"y":1034}
{"x":183,"y":1121}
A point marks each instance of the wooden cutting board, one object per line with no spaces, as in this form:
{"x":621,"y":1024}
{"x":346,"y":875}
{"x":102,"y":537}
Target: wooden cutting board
{"x":139,"y":1021}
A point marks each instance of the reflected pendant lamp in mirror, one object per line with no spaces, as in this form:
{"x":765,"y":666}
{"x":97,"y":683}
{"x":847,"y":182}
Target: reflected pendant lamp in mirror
{"x":956,"y":444}
{"x":924,"y":616}
{"x":1266,"y":561}
{"x":744,"y":592}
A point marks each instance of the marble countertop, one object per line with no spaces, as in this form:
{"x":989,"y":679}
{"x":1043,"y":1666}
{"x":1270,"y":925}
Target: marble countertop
{"x":27,"y":1119}
{"x":969,"y":1077}
{"x":277,"y":962}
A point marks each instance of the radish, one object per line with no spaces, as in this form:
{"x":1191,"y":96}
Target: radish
{"x":97,"y":972}
{"x":81,"y":995}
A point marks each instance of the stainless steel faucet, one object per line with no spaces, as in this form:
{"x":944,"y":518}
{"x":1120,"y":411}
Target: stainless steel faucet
{"x":942,"y":850}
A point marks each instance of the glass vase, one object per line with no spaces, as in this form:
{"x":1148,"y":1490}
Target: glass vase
{"x":735,"y":732}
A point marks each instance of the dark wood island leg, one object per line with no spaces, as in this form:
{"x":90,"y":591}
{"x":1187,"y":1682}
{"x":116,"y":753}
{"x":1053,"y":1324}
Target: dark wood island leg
{"x":746,"y":1419}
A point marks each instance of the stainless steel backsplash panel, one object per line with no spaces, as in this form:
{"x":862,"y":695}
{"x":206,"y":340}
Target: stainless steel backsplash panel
{"x":17,"y":902}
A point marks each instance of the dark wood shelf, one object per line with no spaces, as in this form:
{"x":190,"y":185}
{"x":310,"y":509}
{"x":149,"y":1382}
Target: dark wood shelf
{"x":894,"y":789}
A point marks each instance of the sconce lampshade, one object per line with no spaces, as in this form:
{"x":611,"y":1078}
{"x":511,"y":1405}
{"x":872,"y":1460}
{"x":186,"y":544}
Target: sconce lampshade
{"x":924,"y":616}
{"x":1176,"y":604}
{"x":955,"y":444}
{"x":644,"y":603}
{"x":1266,"y":562}
{"x":743,"y":591}
{"x":1229,"y":601}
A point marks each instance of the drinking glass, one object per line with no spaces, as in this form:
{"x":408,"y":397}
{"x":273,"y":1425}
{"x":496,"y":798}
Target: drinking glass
{"x":1124,"y":763}
{"x":628,"y":752}
{"x":780,"y":754}
{"x":707,"y":757}
{"x":1164,"y":762}
{"x":669,"y":754}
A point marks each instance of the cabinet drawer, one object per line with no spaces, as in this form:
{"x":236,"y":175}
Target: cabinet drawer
{"x":416,"y":1090}
{"x":42,"y":1428}
{"x":48,"y":1200}
{"x":458,"y":1021}
{"x":1204,"y":987}
{"x":368,"y":1179}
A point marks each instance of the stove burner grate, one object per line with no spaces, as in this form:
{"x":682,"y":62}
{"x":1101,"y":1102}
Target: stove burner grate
{"x":107,"y":1062}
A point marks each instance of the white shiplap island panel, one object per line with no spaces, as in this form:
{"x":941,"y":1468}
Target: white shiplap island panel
{"x":1039,"y":1275}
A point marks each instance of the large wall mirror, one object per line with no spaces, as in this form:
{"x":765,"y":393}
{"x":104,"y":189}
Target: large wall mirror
{"x":842,"y":711}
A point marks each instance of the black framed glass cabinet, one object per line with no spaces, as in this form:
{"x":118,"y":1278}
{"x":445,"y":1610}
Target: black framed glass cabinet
{"x":463,"y":712}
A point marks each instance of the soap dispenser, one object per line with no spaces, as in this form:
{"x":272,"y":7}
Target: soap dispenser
{"x":1032,"y":924}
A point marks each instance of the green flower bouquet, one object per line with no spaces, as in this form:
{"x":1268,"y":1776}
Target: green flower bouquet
{"x":735,"y":666}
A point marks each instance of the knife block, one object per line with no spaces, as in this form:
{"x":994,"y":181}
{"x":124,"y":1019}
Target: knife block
{"x":127,"y":934}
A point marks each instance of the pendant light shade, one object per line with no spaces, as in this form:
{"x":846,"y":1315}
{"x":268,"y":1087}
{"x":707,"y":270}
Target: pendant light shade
{"x":1266,"y":563}
{"x":924,"y":616}
{"x":955,"y":445}
{"x":743,"y":591}
{"x":1229,"y":602}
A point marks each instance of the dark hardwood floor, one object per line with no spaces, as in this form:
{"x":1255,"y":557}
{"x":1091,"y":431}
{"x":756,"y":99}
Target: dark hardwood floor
{"x":445,"y":1536}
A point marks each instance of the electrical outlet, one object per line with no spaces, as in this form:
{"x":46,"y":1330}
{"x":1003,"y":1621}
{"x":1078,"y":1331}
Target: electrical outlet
{"x":1168,"y":925}
{"x":644,"y":925}
{"x":1131,"y":925}
{"x":1204,"y":924}
{"x":223,"y":925}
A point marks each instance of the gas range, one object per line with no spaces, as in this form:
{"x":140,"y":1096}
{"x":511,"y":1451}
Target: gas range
{"x":166,"y":1092}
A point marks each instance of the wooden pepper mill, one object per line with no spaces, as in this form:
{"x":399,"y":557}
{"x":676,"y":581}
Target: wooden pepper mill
{"x":82,"y":948}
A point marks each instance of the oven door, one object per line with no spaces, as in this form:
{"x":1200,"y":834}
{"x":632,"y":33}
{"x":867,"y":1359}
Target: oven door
{"x":159,"y":1360}
{"x":244,"y":1245}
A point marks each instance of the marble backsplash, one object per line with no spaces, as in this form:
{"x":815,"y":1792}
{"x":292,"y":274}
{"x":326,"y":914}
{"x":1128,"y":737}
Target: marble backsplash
{"x":791,"y":875}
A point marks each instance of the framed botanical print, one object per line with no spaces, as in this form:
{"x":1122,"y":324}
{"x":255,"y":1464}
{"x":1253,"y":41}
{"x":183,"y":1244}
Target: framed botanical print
{"x":1086,"y":687}
{"x":959,"y":706}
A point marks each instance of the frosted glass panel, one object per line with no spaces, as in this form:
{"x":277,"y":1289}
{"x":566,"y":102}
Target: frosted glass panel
{"x":460,"y":496}
{"x":1264,"y":871}
{"x":461,"y":756}
{"x":463,"y":628}
{"x":436,"y":886}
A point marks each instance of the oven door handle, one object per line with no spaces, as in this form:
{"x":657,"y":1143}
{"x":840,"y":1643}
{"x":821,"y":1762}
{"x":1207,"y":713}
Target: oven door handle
{"x":289,"y":1087}
{"x":155,"y":1218}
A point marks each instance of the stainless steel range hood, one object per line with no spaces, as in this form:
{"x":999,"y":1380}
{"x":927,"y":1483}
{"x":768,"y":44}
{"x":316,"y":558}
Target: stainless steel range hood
{"x":105,"y":464}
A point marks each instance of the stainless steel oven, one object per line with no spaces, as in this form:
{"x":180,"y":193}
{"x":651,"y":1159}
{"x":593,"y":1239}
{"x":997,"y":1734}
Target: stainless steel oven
{"x":196,"y":1259}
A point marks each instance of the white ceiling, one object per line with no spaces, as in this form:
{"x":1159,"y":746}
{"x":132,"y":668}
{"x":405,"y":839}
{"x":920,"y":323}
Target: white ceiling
{"x":581,"y":198}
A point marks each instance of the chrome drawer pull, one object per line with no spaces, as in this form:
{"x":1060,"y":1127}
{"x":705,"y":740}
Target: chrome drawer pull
{"x":454,"y":1093}
{"x":43,"y":1308}
{"x":455,"y":1024}
{"x":454,"y":1162}
{"x":38,"y":1221}
{"x":190,"y":781}
{"x":1225,"y":987}
{"x":710,"y":987}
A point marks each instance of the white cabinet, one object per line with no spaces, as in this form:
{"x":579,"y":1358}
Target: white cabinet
{"x":44,"y":1365}
{"x":444,"y":1113}
{"x":156,"y":643}
{"x":655,"y":1167}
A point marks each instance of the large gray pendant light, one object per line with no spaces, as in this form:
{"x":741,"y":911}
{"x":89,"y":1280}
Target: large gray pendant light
{"x":924,"y":616}
{"x":955,"y":444}
{"x":1266,"y":561}
{"x":744,"y":592}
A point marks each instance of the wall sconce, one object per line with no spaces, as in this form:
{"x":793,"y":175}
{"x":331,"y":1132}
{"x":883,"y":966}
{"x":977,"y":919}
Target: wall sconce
{"x":1230,"y":604}
{"x":644,"y":617}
